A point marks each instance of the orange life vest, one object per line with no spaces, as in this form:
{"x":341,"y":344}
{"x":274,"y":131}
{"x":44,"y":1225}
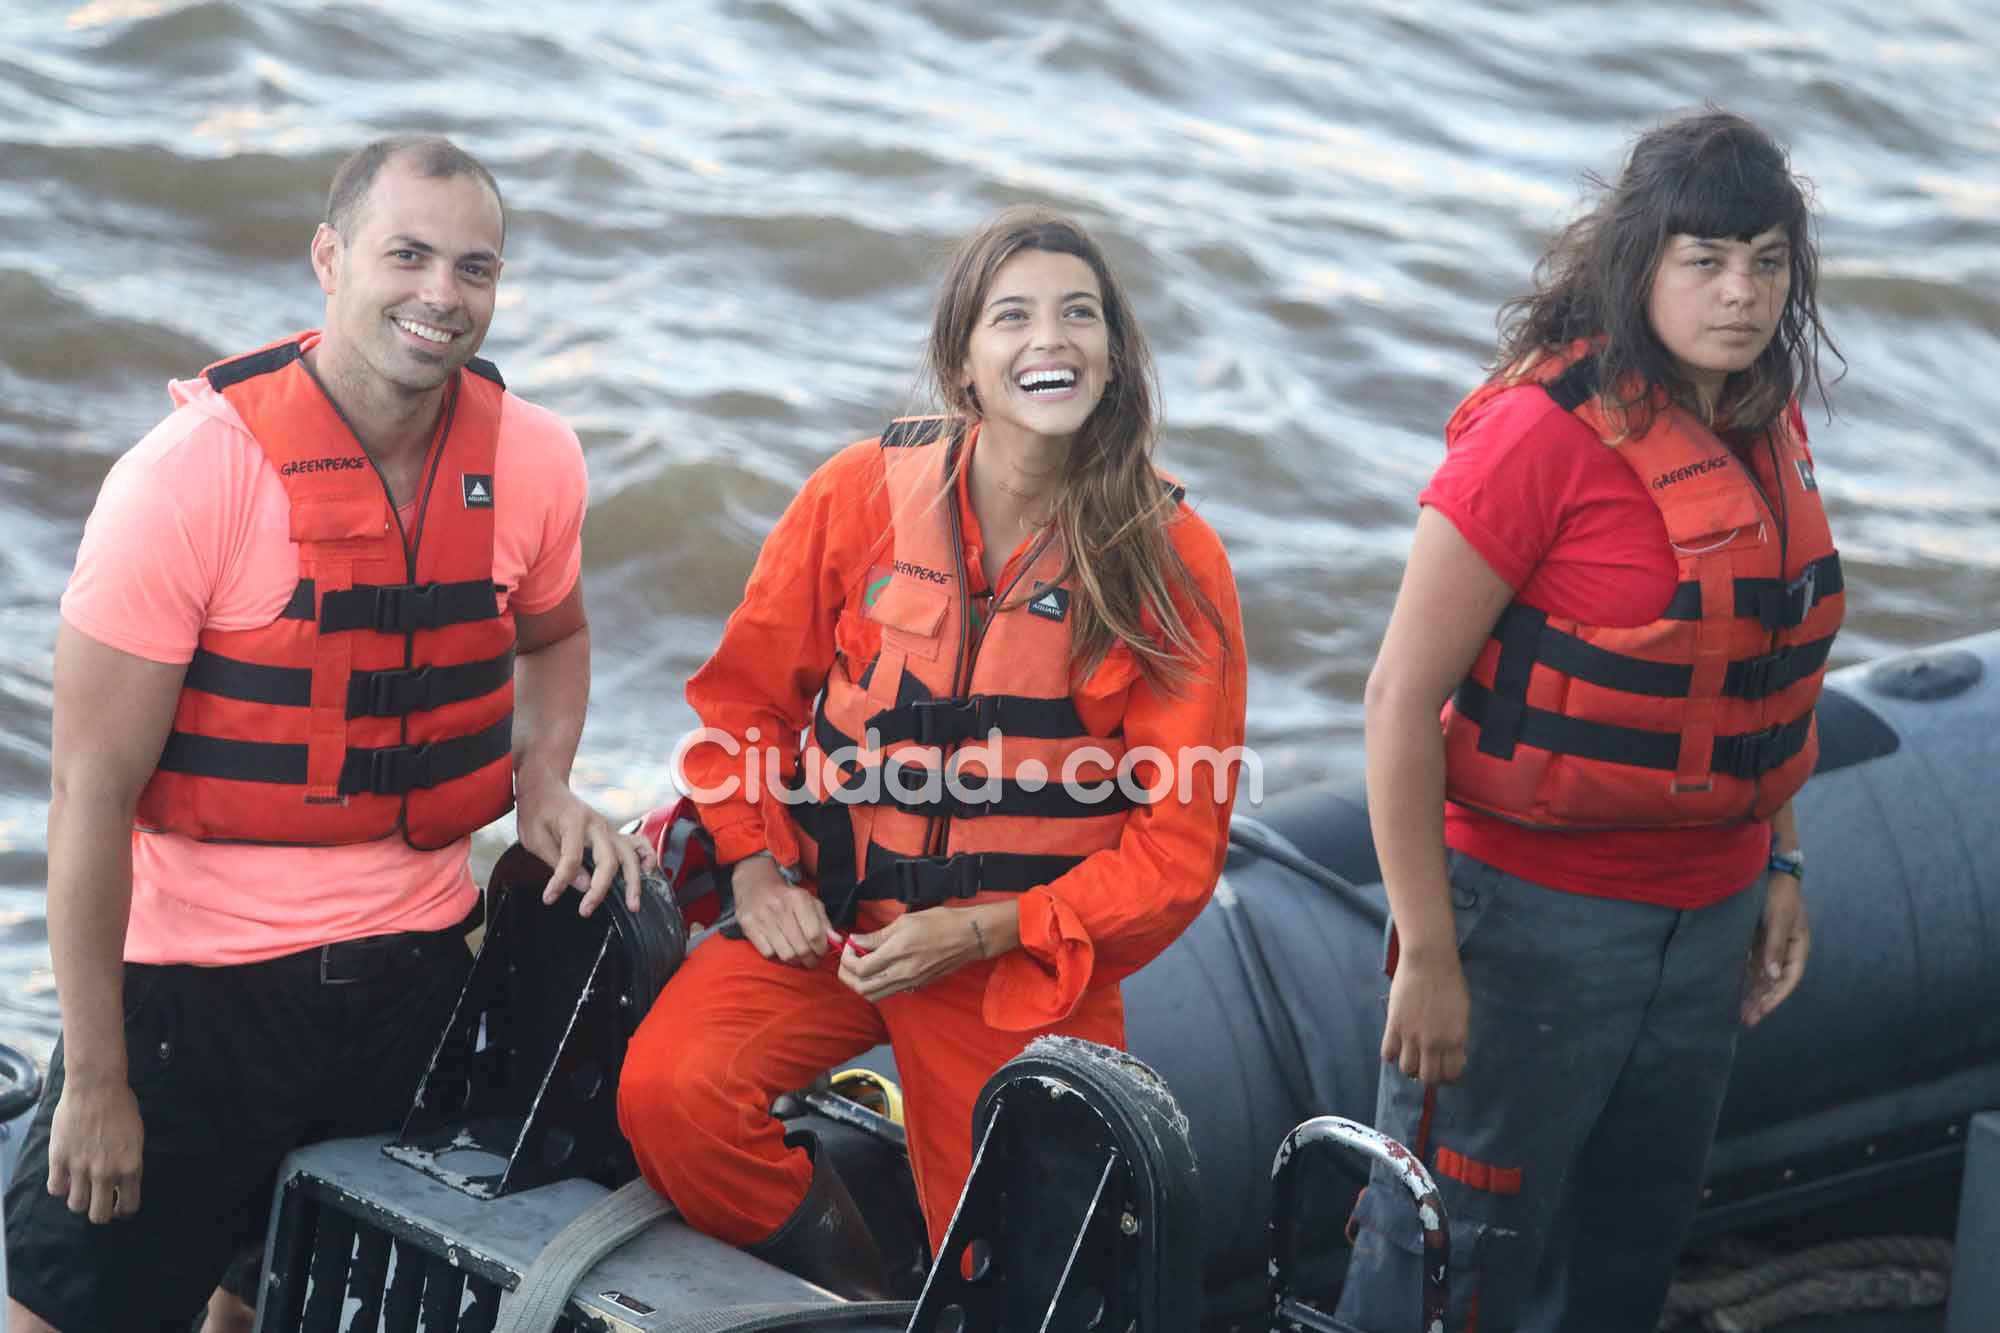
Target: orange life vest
{"x":902,"y":731}
{"x":383,"y":694}
{"x":1704,"y":716}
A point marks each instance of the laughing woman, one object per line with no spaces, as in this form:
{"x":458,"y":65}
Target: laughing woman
{"x":1016,"y":566}
{"x":1623,"y":582}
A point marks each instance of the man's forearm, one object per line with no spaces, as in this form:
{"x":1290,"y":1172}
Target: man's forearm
{"x":89,"y":904}
{"x":551,"y":691}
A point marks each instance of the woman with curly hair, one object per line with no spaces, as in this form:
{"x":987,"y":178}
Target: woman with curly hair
{"x":1622,"y":592}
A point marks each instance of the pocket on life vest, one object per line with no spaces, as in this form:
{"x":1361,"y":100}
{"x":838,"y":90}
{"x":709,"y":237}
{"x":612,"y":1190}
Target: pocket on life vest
{"x":910,"y":614}
{"x":1726,"y":517}
{"x":334,"y":520}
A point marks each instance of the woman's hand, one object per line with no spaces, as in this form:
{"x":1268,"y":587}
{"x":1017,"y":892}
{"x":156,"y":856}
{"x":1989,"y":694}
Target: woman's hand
{"x":1444,"y":614}
{"x":785,"y":923}
{"x":914,"y":950}
{"x":1778,"y":953}
{"x":1428,"y":1012}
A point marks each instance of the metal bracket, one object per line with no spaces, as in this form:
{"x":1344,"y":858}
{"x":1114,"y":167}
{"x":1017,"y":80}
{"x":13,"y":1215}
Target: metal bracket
{"x":1322,"y":1136}
{"x":1081,"y":1211}
{"x":522,"y":1089}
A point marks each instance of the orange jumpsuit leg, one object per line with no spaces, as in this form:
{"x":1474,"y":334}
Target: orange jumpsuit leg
{"x":945,"y":1052}
{"x":730,"y":1032}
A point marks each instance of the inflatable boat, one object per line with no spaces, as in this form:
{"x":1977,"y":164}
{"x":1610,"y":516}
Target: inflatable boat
{"x":1183,"y":1187}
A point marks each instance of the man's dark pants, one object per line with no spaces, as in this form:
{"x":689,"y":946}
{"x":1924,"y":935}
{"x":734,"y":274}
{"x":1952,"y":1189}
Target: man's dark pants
{"x":233,"y":1067}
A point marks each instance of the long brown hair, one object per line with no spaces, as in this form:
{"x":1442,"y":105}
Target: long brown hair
{"x":1710,"y":173}
{"x":1112,"y":509}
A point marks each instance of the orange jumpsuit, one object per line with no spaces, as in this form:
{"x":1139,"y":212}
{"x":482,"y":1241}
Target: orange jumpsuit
{"x":732,"y":1030}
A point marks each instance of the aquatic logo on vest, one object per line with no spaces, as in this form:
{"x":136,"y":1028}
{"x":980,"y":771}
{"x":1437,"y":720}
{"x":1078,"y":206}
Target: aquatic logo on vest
{"x":477,"y":488}
{"x":1049,"y":602}
{"x":1806,"y":478}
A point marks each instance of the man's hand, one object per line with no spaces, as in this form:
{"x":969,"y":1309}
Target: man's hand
{"x":1778,"y":953}
{"x":1428,"y":1013}
{"x":557,"y":826}
{"x":95,"y":1145}
{"x":785,"y":923}
{"x":910,"y":952}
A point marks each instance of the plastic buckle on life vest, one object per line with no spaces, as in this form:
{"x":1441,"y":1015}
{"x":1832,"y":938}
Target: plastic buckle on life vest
{"x":398,"y":770}
{"x":1801,"y":595}
{"x":926,"y":881}
{"x":1788,"y":607}
{"x":1760,"y":674}
{"x":402,"y":607}
{"x":954,"y":805}
{"x":397,"y":693}
{"x":1751,"y":754}
{"x":948,"y":721}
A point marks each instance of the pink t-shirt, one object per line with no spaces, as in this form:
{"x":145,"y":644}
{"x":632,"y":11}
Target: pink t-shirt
{"x":192,"y":529}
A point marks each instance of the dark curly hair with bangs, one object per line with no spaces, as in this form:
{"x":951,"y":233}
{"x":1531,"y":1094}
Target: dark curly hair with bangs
{"x":1710,"y":173}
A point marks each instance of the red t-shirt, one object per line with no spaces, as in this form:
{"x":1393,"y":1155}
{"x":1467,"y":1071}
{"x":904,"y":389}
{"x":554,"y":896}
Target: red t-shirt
{"x":1571,"y":528}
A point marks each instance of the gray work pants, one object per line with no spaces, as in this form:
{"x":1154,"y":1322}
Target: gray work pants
{"x":1570,"y":1155}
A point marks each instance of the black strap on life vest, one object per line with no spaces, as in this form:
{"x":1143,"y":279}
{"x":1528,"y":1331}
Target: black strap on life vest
{"x":951,"y":721}
{"x":405,"y":608}
{"x":369,"y":693}
{"x":1740,"y":755}
{"x":1576,"y":386}
{"x":250,"y":365}
{"x":394,"y":770}
{"x":915,"y":881}
{"x":926,"y":881}
{"x":918,"y":790}
{"x":400,"y":607}
{"x":1748,"y":678}
{"x":909,"y":787}
{"x":1520,"y":645}
{"x":1773,"y":603}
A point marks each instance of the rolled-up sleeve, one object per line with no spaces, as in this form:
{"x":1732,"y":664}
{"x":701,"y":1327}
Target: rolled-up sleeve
{"x":1116,"y":911}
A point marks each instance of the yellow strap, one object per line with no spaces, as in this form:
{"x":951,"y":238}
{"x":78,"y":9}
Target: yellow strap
{"x":866,"y":1088}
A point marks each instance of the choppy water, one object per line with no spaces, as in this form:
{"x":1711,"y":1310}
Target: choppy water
{"x":726,"y":214}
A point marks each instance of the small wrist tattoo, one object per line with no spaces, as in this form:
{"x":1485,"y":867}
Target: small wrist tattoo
{"x":978,"y":935}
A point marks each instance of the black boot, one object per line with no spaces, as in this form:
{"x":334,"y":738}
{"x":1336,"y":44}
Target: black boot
{"x":826,"y":1241}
